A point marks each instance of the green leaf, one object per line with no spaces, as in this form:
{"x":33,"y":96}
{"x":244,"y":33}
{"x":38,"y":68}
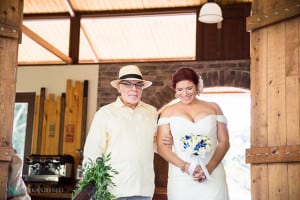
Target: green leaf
{"x":100,"y":174}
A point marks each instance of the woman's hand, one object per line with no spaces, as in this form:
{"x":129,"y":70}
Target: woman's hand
{"x":198,"y":174}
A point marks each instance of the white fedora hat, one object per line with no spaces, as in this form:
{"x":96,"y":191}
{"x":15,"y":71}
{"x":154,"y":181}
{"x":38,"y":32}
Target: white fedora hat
{"x":130,"y":72}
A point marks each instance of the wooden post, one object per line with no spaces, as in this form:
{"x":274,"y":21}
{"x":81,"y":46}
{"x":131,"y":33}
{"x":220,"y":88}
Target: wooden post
{"x":11,"y":12}
{"x":62,"y":123}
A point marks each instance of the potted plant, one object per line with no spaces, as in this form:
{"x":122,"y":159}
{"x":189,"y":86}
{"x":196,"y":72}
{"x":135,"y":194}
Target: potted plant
{"x":96,"y":180}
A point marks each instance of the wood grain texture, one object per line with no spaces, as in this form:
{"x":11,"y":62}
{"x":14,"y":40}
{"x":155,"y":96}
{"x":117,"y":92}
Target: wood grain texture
{"x":279,"y":154}
{"x":11,"y":16}
{"x":259,"y":173}
{"x":272,"y":16}
{"x":275,"y":105}
{"x":73,"y":119}
{"x":35,"y":125}
{"x":51,"y":125}
{"x":293,"y":101}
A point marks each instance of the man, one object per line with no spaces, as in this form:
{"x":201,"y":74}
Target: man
{"x":126,"y":128}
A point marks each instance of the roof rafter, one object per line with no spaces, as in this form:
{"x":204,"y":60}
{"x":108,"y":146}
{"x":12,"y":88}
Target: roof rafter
{"x":46,"y":44}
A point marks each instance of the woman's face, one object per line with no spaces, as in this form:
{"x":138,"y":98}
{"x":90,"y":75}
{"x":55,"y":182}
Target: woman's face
{"x":186,"y":91}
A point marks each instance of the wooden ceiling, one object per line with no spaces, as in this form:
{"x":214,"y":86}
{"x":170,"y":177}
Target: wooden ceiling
{"x":101,"y":31}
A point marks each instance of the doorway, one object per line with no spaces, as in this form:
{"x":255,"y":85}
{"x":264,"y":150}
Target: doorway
{"x":23,"y":125}
{"x":235,"y":104}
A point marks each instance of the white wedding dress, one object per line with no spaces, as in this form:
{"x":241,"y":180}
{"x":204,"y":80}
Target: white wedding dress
{"x":181,"y":186}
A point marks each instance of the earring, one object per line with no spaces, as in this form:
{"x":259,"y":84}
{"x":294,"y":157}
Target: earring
{"x":176,"y":96}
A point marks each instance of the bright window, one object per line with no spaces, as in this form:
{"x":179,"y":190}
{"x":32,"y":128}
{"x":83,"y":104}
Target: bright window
{"x":19,"y":128}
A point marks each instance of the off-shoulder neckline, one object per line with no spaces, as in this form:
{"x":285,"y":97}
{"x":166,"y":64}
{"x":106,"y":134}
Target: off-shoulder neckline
{"x":185,"y":118}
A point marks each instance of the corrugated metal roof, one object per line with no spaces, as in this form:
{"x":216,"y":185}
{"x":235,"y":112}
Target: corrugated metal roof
{"x":109,"y":30}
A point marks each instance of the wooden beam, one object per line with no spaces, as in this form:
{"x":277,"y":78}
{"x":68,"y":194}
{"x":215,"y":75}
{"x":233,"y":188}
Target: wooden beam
{"x":11,"y":12}
{"x":9,"y":31}
{"x":271,"y":16}
{"x":70,"y":8}
{"x":6,"y":153}
{"x":84,"y":113}
{"x":85,"y":34}
{"x":62,"y":123}
{"x":273,"y":154}
{"x":40,"y":120}
{"x":114,"y":13}
{"x":46,"y":44}
{"x":74,"y":38}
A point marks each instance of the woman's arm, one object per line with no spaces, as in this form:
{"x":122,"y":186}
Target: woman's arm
{"x":223,"y":143}
{"x":166,"y":150}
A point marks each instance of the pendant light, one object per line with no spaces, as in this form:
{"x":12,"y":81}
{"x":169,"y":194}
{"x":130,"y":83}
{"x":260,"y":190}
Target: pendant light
{"x":210,"y":13}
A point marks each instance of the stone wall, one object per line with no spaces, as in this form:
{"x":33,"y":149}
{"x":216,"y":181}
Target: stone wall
{"x":235,"y":73}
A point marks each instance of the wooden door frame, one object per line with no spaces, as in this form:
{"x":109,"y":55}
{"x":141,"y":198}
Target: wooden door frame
{"x":27,"y":97}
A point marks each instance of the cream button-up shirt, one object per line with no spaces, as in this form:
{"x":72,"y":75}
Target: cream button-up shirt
{"x":129,"y":136}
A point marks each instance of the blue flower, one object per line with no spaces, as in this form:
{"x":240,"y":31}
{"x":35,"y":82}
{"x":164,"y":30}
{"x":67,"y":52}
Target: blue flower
{"x":188,"y":137}
{"x":196,"y":144}
{"x":186,"y":145}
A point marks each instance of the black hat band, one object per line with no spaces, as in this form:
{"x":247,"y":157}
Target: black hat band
{"x":131,"y":76}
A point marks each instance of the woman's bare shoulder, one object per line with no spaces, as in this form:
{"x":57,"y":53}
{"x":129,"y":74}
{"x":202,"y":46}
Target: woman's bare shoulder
{"x":167,"y":110}
{"x":213,"y":106}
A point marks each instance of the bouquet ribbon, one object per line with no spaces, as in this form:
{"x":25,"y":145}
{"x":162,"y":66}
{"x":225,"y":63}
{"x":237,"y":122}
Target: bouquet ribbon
{"x":197,"y":160}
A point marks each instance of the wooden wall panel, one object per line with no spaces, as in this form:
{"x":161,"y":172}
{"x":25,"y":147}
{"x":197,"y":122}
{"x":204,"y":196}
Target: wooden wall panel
{"x":51,"y":124}
{"x":292,"y":51}
{"x":259,"y":173}
{"x":275,"y":97}
{"x":210,"y":46}
{"x":67,"y":111}
{"x":73,"y":119}
{"x":222,"y":43}
{"x":233,"y":44}
{"x":60,"y":129}
{"x":276,"y":107}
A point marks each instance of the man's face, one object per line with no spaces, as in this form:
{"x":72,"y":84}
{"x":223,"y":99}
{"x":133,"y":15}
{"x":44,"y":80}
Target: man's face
{"x":131,"y":92}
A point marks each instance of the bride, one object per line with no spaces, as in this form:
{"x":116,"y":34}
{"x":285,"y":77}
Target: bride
{"x":200,"y":139}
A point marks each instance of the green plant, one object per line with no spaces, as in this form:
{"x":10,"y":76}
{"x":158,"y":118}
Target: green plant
{"x":98,"y":175}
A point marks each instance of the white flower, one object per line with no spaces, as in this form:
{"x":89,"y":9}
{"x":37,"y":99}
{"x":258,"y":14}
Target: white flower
{"x":196,"y":144}
{"x":201,"y":84}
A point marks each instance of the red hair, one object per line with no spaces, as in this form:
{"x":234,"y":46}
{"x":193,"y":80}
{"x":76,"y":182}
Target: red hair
{"x":183,"y":74}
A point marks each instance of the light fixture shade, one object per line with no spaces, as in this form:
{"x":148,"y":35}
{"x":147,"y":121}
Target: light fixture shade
{"x":210,"y":13}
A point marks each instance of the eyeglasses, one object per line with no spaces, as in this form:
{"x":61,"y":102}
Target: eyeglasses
{"x":128,"y":85}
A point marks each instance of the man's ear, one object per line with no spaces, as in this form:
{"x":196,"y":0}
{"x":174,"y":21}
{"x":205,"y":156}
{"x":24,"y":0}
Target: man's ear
{"x":118,"y":88}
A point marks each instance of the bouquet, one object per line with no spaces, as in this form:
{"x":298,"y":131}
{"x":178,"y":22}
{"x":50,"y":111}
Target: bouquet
{"x":198,"y":146}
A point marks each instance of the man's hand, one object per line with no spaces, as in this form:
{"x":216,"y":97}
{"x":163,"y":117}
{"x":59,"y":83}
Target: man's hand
{"x":168,"y":140}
